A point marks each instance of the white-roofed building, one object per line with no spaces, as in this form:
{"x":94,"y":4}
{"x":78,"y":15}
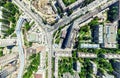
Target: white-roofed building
{"x":7,"y":42}
{"x":89,"y":45}
{"x":86,"y":55}
{"x":100,"y":38}
{"x":63,"y":53}
{"x":110,"y":33}
{"x":111,"y":56}
{"x":94,"y":67}
{"x":0,"y":22}
{"x":68,"y":75}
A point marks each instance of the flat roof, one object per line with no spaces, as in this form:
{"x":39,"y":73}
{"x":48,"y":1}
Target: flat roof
{"x":76,"y":3}
{"x":89,"y":45}
{"x":33,"y":37}
{"x":110,"y":34}
{"x":38,"y":76}
{"x":100,"y":34}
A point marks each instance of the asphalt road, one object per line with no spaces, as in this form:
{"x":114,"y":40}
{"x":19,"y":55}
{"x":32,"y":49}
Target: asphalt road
{"x":83,"y":10}
{"x":49,"y":40}
{"x":29,"y":13}
{"x":39,"y":21}
{"x":21,"y":52}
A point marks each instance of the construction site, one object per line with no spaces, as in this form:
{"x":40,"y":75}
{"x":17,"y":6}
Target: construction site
{"x":44,"y":8}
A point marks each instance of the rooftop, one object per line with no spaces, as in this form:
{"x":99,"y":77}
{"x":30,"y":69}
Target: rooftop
{"x":71,"y":6}
{"x":7,"y":42}
{"x":89,"y":45}
{"x":33,"y":37}
{"x":100,"y":34}
{"x":110,"y":33}
{"x":38,"y":76}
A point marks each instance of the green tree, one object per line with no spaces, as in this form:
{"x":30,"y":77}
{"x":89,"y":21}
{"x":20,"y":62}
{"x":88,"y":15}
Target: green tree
{"x":1,"y":53}
{"x":113,"y":13}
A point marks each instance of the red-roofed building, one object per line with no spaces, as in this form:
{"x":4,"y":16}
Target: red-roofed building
{"x":63,"y":34}
{"x":40,"y":73}
{"x":38,"y":76}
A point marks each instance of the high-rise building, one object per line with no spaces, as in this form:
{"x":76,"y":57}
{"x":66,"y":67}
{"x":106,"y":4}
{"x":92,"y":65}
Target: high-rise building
{"x":8,"y":58}
{"x":110,"y":33}
{"x":3,"y":26}
{"x":7,"y":71}
{"x":7,"y":42}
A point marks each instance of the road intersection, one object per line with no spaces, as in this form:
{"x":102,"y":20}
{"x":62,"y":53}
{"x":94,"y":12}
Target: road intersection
{"x":45,"y":28}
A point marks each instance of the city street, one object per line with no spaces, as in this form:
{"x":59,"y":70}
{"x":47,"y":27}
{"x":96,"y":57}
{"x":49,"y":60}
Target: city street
{"x":49,"y":40}
{"x":40,"y":22}
{"x":29,"y":13}
{"x":84,"y":14}
{"x":21,"y":51}
{"x":83,"y":10}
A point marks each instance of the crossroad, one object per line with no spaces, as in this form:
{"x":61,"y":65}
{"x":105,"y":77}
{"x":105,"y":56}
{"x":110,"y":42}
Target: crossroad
{"x":65,"y":53}
{"x":38,"y":20}
{"x":67,"y":20}
{"x":30,"y":14}
{"x":84,"y":16}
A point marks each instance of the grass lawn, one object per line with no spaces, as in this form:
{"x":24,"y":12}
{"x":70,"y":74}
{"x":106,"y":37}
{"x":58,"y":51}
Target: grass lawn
{"x":33,"y":67}
{"x":57,"y":37}
{"x":85,"y":33}
{"x":68,"y":2}
{"x":57,"y":34}
{"x":65,"y":65}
